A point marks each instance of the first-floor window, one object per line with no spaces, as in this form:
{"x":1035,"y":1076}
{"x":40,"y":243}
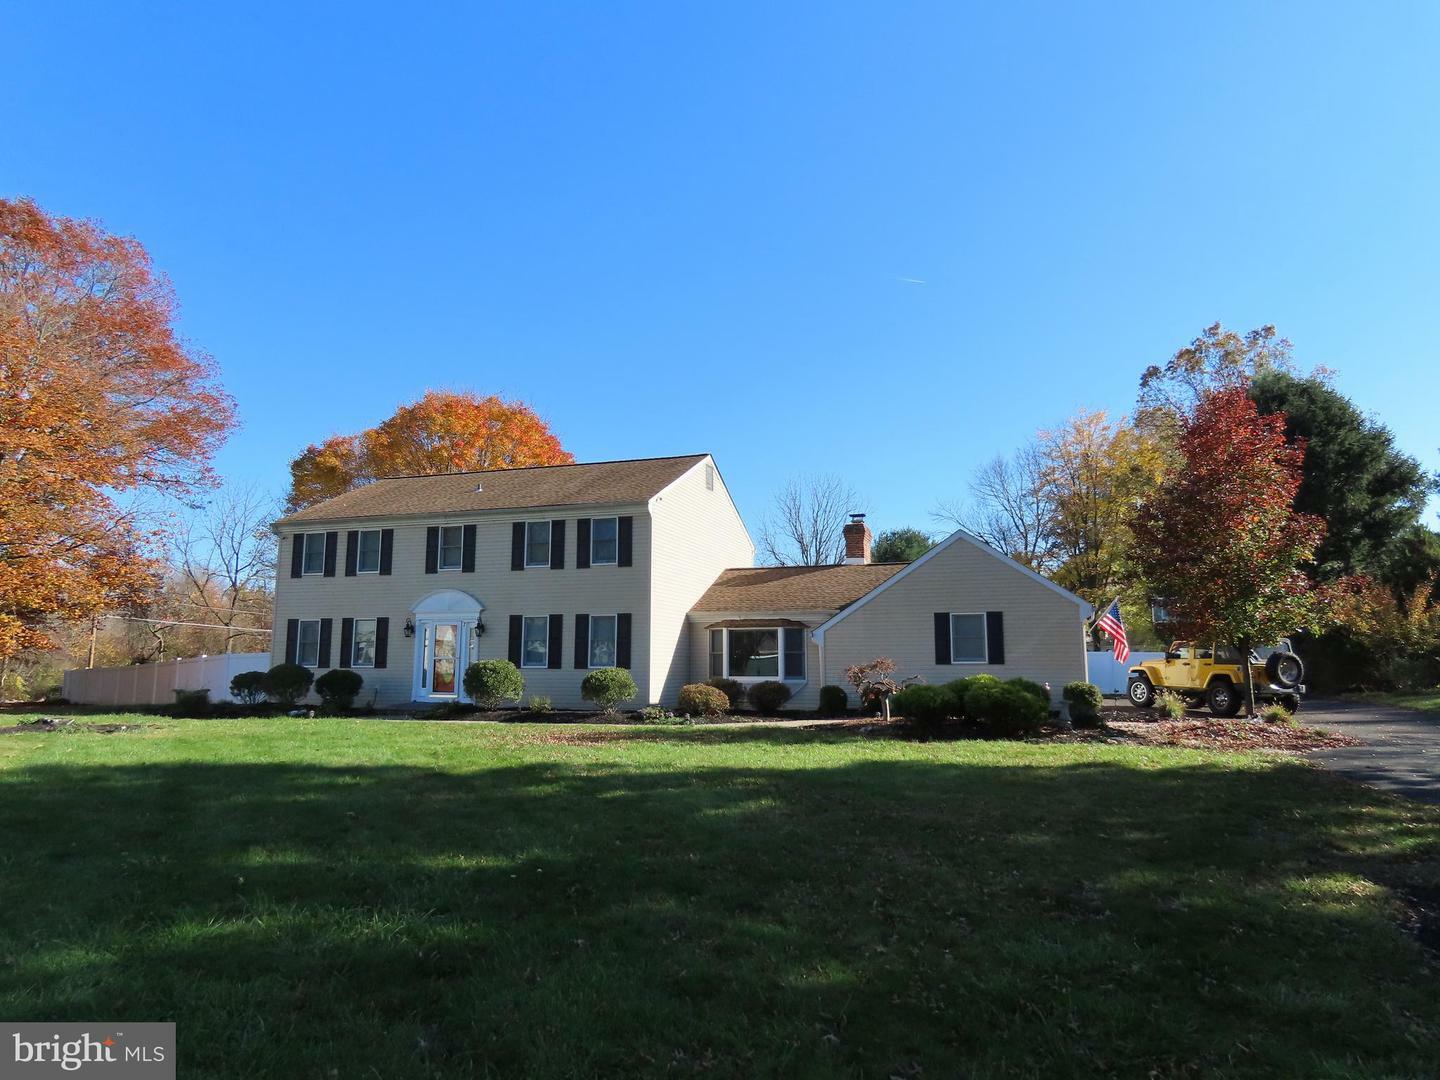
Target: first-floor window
{"x":367,"y":555}
{"x":452,"y":545}
{"x":535,"y":641}
{"x":313,"y":558}
{"x":754,"y":653}
{"x":967,"y":639}
{"x":761,"y":653}
{"x":602,"y":640}
{"x":307,"y":645}
{"x":717,"y":654}
{"x":363,"y":648}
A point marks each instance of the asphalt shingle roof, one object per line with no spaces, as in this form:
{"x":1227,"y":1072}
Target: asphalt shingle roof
{"x":794,"y":588}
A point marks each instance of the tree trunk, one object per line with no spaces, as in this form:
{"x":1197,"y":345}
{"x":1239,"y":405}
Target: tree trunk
{"x":1244,"y":647}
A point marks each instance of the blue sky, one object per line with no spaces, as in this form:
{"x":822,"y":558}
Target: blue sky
{"x":887,"y":241}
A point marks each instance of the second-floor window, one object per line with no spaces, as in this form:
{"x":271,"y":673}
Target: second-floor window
{"x":367,"y":557}
{"x":537,"y":543}
{"x":313,"y":561}
{"x":452,"y":546}
{"x":604,"y":541}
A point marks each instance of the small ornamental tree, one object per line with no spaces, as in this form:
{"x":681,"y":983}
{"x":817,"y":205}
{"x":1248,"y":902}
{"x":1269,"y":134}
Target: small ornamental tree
{"x":872,"y":681}
{"x":288,"y":683}
{"x":1220,"y":541}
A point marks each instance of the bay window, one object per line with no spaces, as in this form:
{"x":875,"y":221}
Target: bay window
{"x":758,"y":653}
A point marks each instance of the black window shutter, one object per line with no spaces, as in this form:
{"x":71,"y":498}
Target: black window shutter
{"x":324,"y":660}
{"x":557,"y":641}
{"x":582,"y":544}
{"x":332,"y":543}
{"x":582,"y":641}
{"x":297,"y":555}
{"x":943,"y":655}
{"x":467,"y":550}
{"x":292,"y":639}
{"x":517,"y":546}
{"x":622,"y":640}
{"x":995,"y":636}
{"x":625,"y":542}
{"x":387,"y":552}
{"x":516,"y":622}
{"x":432,"y":549}
{"x":557,"y":545}
{"x":382,"y":641}
{"x":352,"y":552}
{"x":347,"y":638}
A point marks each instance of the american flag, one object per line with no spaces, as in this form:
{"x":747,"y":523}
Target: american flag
{"x":1112,"y":624}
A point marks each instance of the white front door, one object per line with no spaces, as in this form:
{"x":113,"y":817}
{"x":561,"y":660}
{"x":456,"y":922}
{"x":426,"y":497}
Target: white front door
{"x":441,"y":654}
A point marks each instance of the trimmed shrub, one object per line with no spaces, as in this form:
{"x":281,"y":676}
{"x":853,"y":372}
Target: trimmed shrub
{"x":338,"y":687}
{"x":834,"y":701}
{"x":248,"y":687}
{"x":922,"y":705}
{"x":192,"y":702}
{"x":490,"y":682}
{"x":1085,"y":701}
{"x":769,"y":697}
{"x":731,"y":688}
{"x":702,"y":699}
{"x":656,"y":714}
{"x":608,"y":686}
{"x":960,"y":690}
{"x":288,"y":683}
{"x":1009,"y":710}
{"x":1034,"y":689}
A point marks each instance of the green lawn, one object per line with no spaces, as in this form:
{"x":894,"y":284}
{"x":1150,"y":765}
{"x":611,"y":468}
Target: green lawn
{"x":1424,"y":700}
{"x":348,"y":898}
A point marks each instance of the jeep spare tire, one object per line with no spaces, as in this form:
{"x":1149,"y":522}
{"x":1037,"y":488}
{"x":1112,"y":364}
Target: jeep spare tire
{"x":1285,"y":670}
{"x":1141,"y":693}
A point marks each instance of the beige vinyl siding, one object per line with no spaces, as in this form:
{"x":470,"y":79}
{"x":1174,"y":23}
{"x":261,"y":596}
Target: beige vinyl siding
{"x":698,"y":533}
{"x":806,"y":695}
{"x":1044,"y":630}
{"x":600,"y":590}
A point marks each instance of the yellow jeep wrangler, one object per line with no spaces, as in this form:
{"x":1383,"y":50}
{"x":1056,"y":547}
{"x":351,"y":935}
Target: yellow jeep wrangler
{"x":1212,"y":675}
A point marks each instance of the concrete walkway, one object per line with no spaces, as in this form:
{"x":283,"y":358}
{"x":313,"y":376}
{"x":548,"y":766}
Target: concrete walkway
{"x":1402,"y":751}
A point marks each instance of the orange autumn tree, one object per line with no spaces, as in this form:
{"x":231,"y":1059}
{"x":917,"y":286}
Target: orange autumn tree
{"x":443,"y":432}
{"x":98,"y":396}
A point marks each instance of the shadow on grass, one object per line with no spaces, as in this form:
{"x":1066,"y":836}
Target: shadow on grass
{"x":574,"y":918}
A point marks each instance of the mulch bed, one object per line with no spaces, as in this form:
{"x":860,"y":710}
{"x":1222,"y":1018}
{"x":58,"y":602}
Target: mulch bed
{"x":51,"y":723}
{"x":1214,"y":735}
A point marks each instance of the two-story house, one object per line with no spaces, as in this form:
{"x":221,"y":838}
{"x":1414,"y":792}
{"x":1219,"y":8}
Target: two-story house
{"x":641,"y":564}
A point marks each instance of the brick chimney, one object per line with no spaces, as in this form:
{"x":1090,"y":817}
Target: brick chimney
{"x":857,"y":541}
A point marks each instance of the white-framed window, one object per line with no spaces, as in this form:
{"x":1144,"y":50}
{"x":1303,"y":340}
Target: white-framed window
{"x":758,"y":653}
{"x":602,"y":640}
{"x":604,"y":541}
{"x":537,"y":543}
{"x":535,"y":641}
{"x":969,"y":643}
{"x":313,"y":559}
{"x":307,"y":643}
{"x":362,"y":647}
{"x":367,"y":553}
{"x":452,"y":547}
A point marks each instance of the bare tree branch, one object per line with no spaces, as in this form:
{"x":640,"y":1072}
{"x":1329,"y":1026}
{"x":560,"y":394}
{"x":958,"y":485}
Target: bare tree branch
{"x":807,"y":525}
{"x":1007,"y":509}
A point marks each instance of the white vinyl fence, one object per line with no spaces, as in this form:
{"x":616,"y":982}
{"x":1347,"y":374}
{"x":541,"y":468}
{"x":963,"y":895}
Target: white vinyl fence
{"x":1110,"y":676}
{"x":155,"y":684}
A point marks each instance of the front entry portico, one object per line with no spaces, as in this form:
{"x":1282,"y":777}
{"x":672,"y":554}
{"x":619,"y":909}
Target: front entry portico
{"x":445,"y":639}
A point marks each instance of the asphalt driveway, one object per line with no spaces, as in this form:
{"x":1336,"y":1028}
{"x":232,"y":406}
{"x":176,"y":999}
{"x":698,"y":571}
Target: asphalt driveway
{"x":1401,"y":751}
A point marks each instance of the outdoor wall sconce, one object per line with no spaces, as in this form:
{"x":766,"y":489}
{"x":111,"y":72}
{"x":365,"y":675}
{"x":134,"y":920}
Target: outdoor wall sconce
{"x":480,"y":626}
{"x":409,"y":626}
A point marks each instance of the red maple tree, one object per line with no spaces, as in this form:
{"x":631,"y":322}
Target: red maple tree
{"x":1220,"y":540}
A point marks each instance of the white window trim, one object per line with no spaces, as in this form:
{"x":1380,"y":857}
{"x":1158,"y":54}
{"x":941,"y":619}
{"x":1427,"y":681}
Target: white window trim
{"x":359,"y":539}
{"x":524,"y":656}
{"x":440,"y":549}
{"x":783,"y":675}
{"x":355,"y":641}
{"x":590,"y":664}
{"x":984,"y":635}
{"x":549,"y":542}
{"x":304,"y":550}
{"x":605,"y":562}
{"x":299,"y":642}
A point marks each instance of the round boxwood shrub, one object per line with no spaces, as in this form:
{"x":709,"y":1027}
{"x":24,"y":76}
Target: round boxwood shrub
{"x":834,"y":701}
{"x":731,"y":688}
{"x":490,"y":682}
{"x":924,"y":706}
{"x":337,"y":688}
{"x":701,"y":699}
{"x":1009,"y":710}
{"x":768,"y":697}
{"x":1034,"y":689}
{"x":288,"y":683}
{"x":961,"y":689}
{"x":608,"y":686}
{"x":248,"y":687}
{"x":1085,"y":701}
